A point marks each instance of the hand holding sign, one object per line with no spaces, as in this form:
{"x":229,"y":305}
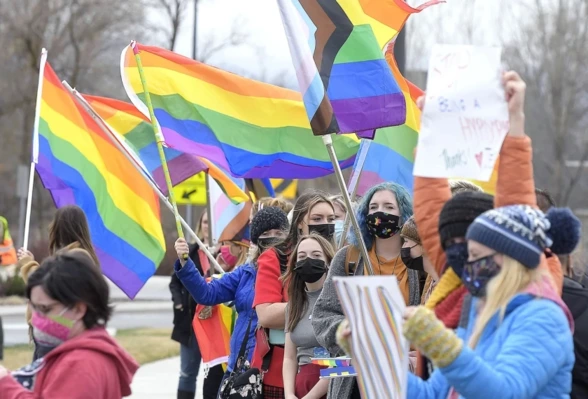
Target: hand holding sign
{"x":465,"y":116}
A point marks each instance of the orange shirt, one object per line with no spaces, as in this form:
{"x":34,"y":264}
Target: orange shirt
{"x":389,"y":267}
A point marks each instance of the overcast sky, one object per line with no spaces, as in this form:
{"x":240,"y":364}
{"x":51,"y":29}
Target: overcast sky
{"x":266,"y":53}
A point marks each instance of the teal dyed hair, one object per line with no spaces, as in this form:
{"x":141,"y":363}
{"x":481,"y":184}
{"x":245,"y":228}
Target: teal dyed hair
{"x":404,"y":203}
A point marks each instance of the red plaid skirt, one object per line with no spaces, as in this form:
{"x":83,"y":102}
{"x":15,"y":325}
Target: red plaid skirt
{"x":271,"y":392}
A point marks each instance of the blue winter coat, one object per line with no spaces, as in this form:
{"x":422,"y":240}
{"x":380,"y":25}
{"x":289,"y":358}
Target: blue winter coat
{"x":237,"y":286}
{"x":530,"y":355}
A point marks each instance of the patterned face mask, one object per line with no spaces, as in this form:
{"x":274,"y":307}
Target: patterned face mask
{"x":51,"y":330}
{"x":382,"y":224}
{"x":478,"y":273}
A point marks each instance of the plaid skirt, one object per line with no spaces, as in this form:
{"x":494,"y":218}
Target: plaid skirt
{"x":271,"y":392}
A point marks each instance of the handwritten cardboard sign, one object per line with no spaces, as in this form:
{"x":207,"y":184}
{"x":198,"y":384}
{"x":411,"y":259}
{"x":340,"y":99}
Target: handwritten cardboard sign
{"x":465,"y":119}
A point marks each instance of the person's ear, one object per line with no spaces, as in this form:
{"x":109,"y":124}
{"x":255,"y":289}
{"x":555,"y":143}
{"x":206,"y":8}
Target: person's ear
{"x":79,"y":311}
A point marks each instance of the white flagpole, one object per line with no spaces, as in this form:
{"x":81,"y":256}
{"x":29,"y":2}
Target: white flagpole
{"x":35,"y":152}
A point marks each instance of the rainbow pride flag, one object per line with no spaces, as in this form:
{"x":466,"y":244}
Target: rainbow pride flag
{"x":79,"y":165}
{"x":228,"y":220}
{"x":336,"y":48}
{"x":125,"y":119}
{"x":214,"y":334}
{"x":390,"y":156}
{"x":249,"y":128}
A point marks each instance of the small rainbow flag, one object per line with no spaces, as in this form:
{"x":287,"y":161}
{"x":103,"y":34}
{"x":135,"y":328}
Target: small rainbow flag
{"x":137,"y":132}
{"x":214,"y":334}
{"x":248,"y":128}
{"x":79,"y":165}
{"x":336,"y":48}
{"x":332,"y":362}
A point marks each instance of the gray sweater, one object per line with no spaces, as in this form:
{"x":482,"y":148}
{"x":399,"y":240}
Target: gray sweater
{"x":327,"y":315}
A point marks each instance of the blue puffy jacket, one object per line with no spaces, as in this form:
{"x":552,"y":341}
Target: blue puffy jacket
{"x":237,"y":286}
{"x":530,"y":355}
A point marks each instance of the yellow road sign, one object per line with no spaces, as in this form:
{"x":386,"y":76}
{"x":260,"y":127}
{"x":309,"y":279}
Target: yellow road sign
{"x":286,"y":188}
{"x":191,"y":191}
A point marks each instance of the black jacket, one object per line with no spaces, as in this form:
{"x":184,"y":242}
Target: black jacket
{"x":576,"y":298}
{"x":183,"y":331}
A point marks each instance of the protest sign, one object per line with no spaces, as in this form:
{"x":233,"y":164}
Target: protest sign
{"x":465,"y":118}
{"x":374,"y":308}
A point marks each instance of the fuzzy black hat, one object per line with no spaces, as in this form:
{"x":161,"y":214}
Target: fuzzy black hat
{"x":460,"y":211}
{"x":269,"y":218}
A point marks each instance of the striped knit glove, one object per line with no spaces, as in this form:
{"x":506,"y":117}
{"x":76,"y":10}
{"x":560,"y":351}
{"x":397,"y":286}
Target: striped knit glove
{"x":430,"y":336}
{"x":344,"y":342}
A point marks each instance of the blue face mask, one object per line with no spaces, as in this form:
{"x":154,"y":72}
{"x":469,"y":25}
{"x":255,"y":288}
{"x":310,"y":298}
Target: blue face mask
{"x":457,"y":255}
{"x":339,"y":225}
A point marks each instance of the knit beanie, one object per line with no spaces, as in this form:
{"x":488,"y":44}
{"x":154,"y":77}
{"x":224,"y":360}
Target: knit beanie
{"x":409,"y":230}
{"x":268,"y":218}
{"x":460,"y":211}
{"x":518,"y":231}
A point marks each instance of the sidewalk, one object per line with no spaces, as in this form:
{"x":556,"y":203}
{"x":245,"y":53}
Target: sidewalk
{"x":159,"y":380}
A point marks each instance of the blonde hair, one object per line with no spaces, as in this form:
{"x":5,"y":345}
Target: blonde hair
{"x":512,"y":279}
{"x":338,"y":200}
{"x":460,"y":186}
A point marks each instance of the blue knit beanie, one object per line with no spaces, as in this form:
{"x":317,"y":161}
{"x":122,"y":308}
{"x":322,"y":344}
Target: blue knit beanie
{"x":518,"y":231}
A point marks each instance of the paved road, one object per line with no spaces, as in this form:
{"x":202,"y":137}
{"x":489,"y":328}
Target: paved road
{"x":126,"y":315}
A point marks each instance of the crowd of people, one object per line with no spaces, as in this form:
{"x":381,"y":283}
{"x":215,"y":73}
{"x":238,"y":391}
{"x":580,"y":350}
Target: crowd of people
{"x":493,"y":307}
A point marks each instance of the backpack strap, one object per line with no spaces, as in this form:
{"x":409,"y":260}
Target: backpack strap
{"x":351,"y":260}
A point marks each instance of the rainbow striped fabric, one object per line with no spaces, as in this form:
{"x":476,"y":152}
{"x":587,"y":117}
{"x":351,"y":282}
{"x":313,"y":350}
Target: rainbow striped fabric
{"x":214,"y":334}
{"x":79,"y":165}
{"x":336,"y":48}
{"x":228,"y":220}
{"x":251,"y":129}
{"x":137,"y":132}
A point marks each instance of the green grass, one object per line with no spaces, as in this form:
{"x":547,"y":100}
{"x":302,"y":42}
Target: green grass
{"x":146,"y":345}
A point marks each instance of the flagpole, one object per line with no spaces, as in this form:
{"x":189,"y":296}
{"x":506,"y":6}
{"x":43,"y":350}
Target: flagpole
{"x":354,"y":184}
{"x":159,"y":140}
{"x":132,"y":158}
{"x":328,"y":141}
{"x":35,"y":151}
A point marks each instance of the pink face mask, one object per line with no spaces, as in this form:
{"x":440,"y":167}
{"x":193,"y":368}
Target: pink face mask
{"x":228,"y":257}
{"x":51,"y":330}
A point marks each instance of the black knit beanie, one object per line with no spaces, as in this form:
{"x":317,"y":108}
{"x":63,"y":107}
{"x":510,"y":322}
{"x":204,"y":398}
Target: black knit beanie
{"x":460,"y":211}
{"x":268,"y":218}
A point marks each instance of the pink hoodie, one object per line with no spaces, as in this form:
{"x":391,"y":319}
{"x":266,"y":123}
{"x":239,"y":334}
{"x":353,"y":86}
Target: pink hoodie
{"x":90,"y":366}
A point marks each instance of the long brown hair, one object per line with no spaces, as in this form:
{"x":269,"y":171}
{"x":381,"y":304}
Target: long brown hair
{"x":297,"y":297}
{"x":70,"y":226}
{"x":303,"y":205}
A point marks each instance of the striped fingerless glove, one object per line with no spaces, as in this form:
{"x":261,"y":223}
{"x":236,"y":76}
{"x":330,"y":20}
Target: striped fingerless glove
{"x":432,"y":338}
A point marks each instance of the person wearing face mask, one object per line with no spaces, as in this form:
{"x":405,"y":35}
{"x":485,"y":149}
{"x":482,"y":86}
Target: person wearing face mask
{"x":380,"y":214}
{"x":313,"y":212}
{"x":517,"y":342}
{"x":70,"y":302}
{"x":414,"y":257}
{"x":305,"y":277}
{"x":267,"y":226}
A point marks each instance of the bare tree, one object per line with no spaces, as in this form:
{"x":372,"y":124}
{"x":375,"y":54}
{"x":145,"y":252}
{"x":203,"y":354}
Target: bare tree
{"x":551,"y":51}
{"x":84,"y":39}
{"x":175,"y":12}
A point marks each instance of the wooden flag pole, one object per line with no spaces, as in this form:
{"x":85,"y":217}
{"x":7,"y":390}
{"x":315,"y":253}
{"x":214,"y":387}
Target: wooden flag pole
{"x":328,"y":141}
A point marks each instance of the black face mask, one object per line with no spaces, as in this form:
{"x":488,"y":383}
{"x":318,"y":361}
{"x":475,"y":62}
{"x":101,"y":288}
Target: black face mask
{"x":324,"y":230}
{"x":310,"y":270}
{"x":477,"y":274}
{"x":410,"y":262}
{"x":382,"y":224}
{"x":457,"y":255}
